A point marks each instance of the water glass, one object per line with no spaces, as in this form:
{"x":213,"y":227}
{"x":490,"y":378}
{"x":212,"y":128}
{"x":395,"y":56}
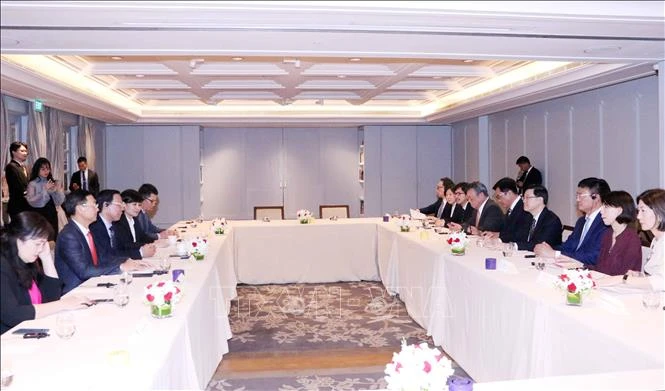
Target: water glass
{"x":165,"y":264}
{"x":126,"y":278}
{"x":651,"y":300}
{"x":6,"y":375}
{"x":65,"y":325}
{"x":121,"y":295}
{"x":509,"y":249}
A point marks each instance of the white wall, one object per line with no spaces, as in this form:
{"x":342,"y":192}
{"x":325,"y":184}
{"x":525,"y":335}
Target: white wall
{"x":610,"y":132}
{"x":166,"y":156}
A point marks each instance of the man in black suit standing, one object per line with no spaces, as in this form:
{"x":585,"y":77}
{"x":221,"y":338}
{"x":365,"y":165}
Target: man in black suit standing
{"x":85,"y":178}
{"x":545,"y":226}
{"x":528,"y":175}
{"x":488,"y":216}
{"x":16,"y":174}
{"x":516,"y":220}
{"x":76,"y":256}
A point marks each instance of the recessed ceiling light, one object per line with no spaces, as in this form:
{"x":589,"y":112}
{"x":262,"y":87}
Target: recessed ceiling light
{"x":467,"y":61}
{"x":237,"y":58}
{"x":355,"y":59}
{"x":116,"y":58}
{"x":139,"y":75}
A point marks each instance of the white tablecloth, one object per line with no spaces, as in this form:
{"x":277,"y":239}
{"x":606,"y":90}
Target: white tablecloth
{"x":500,"y":326}
{"x":180,"y":352}
{"x":286,"y":251}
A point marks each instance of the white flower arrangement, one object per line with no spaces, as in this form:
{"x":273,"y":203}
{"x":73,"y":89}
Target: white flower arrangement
{"x":575,"y":281}
{"x":404,"y":223}
{"x":218,"y":226}
{"x":162,"y":292}
{"x":457,"y":242}
{"x":304,"y":216}
{"x":198,"y":247}
{"x":418,"y":367}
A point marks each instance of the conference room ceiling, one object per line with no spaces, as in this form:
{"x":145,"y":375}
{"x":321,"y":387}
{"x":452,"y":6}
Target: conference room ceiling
{"x":333,"y":63}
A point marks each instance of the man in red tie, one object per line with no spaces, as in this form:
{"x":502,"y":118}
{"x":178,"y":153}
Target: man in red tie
{"x":76,"y":256}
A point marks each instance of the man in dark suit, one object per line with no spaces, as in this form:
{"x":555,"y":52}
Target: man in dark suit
{"x":584,"y":243}
{"x":76,"y":255}
{"x":437,"y":208}
{"x":149,"y":207}
{"x":466,"y":212}
{"x":16,"y":174}
{"x":129,"y":234}
{"x":516,"y":220}
{"x":488,"y":216}
{"x":529,"y":175}
{"x":545,"y":226}
{"x":85,"y":178}
{"x":111,"y":208}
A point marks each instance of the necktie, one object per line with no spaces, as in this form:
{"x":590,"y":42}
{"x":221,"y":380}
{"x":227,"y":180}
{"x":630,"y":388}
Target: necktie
{"x":508,"y":211}
{"x":25,"y":171}
{"x":584,"y":232}
{"x":440,"y":211}
{"x":84,"y":182}
{"x":452,"y":210}
{"x":93,"y":249}
{"x":533,"y":227}
{"x":112,"y":236}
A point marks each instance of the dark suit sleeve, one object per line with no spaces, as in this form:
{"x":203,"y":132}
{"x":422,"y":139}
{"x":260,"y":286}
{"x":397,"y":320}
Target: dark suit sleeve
{"x":493,"y":219}
{"x":458,"y":215}
{"x":588,"y":252}
{"x":76,"y":255}
{"x":94,"y":183}
{"x":76,"y":178}
{"x":431,"y":209}
{"x":548,"y":230}
{"x":103,"y":243}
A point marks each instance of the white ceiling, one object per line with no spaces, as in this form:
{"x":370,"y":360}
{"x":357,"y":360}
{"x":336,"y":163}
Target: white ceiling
{"x":230,"y":63}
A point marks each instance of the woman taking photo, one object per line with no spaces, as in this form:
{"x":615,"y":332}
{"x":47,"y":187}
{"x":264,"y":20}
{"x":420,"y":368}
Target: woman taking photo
{"x":620,"y":247}
{"x":29,"y":290}
{"x":43,"y":194}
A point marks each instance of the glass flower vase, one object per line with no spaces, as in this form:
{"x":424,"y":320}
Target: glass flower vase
{"x":574,"y":298}
{"x":458,"y":250}
{"x":219,"y":231}
{"x":405,"y":228}
{"x":161,"y":311}
{"x":198,"y":256}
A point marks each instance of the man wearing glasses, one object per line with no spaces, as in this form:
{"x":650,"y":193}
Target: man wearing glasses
{"x":76,"y":255}
{"x":545,"y":226}
{"x":583,"y":244}
{"x":150,"y":200}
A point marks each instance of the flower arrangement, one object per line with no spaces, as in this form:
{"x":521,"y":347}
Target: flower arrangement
{"x":219,"y":226}
{"x":576,"y":283}
{"x":457,"y":242}
{"x":161,"y":295}
{"x":304,"y":216}
{"x":198,"y":248}
{"x":404,"y":223}
{"x":418,"y":367}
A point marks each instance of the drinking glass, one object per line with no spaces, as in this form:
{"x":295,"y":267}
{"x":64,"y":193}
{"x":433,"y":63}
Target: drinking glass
{"x":126,"y":278}
{"x":651,"y":300}
{"x":121,"y":295}
{"x":509,"y":249}
{"x":65,"y":325}
{"x":165,"y":264}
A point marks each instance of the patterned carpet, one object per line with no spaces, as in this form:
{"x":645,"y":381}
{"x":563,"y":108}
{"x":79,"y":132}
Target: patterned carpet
{"x":283,"y":319}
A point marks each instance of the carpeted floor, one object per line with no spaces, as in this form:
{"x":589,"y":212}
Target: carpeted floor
{"x":335,"y":336}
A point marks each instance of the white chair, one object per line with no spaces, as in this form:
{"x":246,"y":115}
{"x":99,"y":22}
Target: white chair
{"x":328,"y":211}
{"x":272,"y":212}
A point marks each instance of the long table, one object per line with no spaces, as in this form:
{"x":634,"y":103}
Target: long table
{"x":512,"y":325}
{"x":125,"y":348}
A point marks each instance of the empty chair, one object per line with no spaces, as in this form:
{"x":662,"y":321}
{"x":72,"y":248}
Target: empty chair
{"x":328,"y":211}
{"x":272,"y":212}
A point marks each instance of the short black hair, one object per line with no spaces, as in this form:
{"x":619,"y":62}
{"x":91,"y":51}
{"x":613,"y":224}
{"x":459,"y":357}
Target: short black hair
{"x":105,"y":197}
{"x":82,"y":159}
{"x":506,"y":184}
{"x":14,"y":146}
{"x":461,"y":185}
{"x":523,"y":159}
{"x":76,"y":197}
{"x":146,"y":189}
{"x":539,"y":191}
{"x":131,"y":195}
{"x":623,"y":200}
{"x":595,"y":186}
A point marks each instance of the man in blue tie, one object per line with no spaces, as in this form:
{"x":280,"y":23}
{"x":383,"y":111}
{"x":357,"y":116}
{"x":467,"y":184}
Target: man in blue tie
{"x":584,"y":243}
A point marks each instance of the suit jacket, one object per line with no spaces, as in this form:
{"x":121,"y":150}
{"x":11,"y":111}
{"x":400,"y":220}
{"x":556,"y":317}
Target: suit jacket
{"x":73,"y":259}
{"x":491,"y":219}
{"x":590,"y":248}
{"x":150,"y":229}
{"x":123,"y":235}
{"x":548,"y":229}
{"x":103,"y":242}
{"x":93,"y":181}
{"x":533,"y":178}
{"x":469,"y":215}
{"x":432,"y":209}
{"x":17,"y":182}
{"x":15,"y":303}
{"x":516,"y":225}
{"x":457,"y":215}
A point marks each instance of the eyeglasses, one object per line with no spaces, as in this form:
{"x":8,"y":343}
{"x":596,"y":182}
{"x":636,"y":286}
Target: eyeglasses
{"x":120,"y":204}
{"x":459,"y":193}
{"x":95,"y":205}
{"x":439,"y":187}
{"x":580,"y":195}
{"x":152,"y":200}
{"x":529,"y":197}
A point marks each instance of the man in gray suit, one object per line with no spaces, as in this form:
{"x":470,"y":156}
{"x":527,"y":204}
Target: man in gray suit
{"x":488,"y":216}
